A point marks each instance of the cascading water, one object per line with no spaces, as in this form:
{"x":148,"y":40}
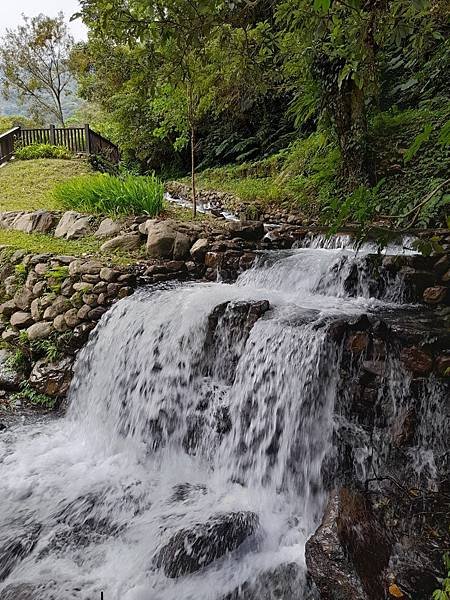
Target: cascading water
{"x":186,"y":406}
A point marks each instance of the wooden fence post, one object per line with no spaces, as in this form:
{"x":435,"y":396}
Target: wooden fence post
{"x":87,"y":134}
{"x":52,"y":135}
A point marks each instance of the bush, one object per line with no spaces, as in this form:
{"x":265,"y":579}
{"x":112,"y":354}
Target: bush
{"x":42,"y":151}
{"x":106,"y":194}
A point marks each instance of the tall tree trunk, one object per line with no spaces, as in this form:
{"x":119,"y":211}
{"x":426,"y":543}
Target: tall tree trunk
{"x":349,"y":116}
{"x":194,"y":190}
{"x":345,"y":104}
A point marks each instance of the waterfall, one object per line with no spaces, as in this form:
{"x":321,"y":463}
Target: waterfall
{"x":188,"y":402}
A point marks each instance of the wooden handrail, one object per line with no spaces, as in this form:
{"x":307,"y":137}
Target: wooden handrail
{"x":81,"y":140}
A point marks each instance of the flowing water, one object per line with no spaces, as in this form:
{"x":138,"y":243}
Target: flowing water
{"x":170,"y":425}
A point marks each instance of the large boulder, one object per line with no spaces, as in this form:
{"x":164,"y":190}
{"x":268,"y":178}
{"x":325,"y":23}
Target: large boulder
{"x":52,"y":379}
{"x":72,"y":226}
{"x":127,"y":241}
{"x":108,"y":228}
{"x":247,"y":230}
{"x":192,"y":549}
{"x":41,"y":221}
{"x":161,"y":239}
{"x":199,"y":249}
{"x":348,"y":554}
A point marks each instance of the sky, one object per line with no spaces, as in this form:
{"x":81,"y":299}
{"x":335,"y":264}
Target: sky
{"x":11,"y":13}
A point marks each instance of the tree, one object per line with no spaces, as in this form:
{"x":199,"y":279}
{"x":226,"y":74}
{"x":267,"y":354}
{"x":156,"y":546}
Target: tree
{"x":34,"y":62}
{"x":333,"y":53}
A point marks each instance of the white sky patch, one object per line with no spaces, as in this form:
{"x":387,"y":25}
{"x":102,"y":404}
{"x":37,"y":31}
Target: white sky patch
{"x":11,"y":13}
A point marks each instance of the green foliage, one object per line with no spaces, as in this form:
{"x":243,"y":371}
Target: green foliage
{"x":444,"y":592}
{"x":106,"y":194}
{"x":359,"y":207}
{"x":21,"y":272}
{"x":420,"y":139}
{"x":36,"y":151}
{"x":9,"y":122}
{"x":30,"y":395}
{"x":444,"y":135}
{"x":17,"y":360}
{"x":48,"y":348}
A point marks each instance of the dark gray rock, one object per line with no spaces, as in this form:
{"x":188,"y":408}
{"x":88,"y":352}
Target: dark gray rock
{"x":192,"y":549}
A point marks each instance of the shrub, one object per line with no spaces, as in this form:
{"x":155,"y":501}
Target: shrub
{"x":106,"y":194}
{"x":42,"y":151}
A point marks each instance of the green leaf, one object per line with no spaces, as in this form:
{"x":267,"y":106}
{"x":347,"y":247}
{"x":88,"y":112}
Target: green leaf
{"x":420,"y":139}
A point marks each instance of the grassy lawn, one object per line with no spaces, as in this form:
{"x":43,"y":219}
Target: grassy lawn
{"x":27,"y":185}
{"x":36,"y":243}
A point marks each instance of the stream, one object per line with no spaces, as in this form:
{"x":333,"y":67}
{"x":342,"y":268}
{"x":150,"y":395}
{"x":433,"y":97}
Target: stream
{"x":181,"y":414}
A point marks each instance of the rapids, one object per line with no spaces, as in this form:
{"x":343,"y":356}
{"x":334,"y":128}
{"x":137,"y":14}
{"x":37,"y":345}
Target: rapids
{"x":98,"y":493}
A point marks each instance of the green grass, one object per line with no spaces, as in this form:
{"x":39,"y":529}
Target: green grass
{"x":106,"y":194}
{"x":27,"y":185}
{"x":39,"y":243}
{"x":36,"y":151}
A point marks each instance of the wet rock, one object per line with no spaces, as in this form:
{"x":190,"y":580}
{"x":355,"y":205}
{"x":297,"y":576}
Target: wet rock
{"x":348,"y":554}
{"x":108,"y":228}
{"x":435,"y":295}
{"x":10,"y":377}
{"x":416,"y":360}
{"x":229,"y":326}
{"x":417,"y":281}
{"x":52,"y":379}
{"x":357,"y":342}
{"x":247,"y":230}
{"x":442,"y":265}
{"x":192,"y":549}
{"x":39,"y":331}
{"x":21,"y":320}
{"x":443,"y":365}
{"x":213,"y":259}
{"x":184,"y":492}
{"x":199,"y":249}
{"x":127,"y":241}
{"x":16,"y":549}
{"x":95,"y":314}
{"x":404,"y":428}
{"x":285,"y":582}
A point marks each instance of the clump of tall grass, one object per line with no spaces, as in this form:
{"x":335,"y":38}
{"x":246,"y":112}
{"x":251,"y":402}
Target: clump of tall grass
{"x":106,"y":194}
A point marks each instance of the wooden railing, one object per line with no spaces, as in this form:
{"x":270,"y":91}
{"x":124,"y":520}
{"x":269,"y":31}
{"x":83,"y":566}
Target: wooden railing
{"x":79,"y":140}
{"x":8,"y":141}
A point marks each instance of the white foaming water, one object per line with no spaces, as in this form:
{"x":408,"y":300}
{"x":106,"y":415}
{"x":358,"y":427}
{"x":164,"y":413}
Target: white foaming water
{"x":169,"y":426}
